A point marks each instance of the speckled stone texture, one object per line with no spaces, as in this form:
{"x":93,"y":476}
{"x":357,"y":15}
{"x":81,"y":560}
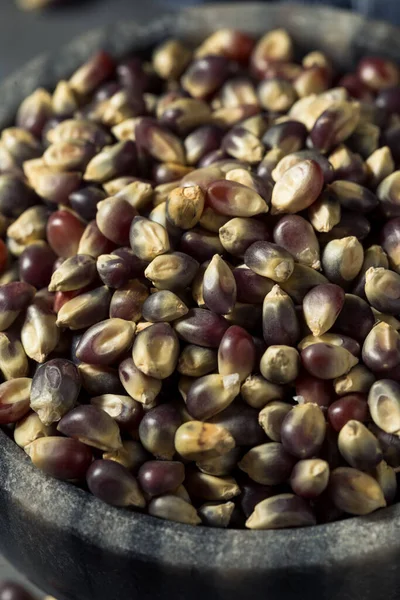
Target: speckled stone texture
{"x":77,"y":548}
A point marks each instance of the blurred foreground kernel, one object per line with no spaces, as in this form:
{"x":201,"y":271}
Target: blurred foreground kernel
{"x":35,"y":4}
{"x":10,"y":590}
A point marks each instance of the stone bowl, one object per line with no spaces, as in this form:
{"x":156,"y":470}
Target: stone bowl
{"x":75,"y":547}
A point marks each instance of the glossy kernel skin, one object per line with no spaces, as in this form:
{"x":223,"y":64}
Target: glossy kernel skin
{"x":13,"y":358}
{"x":207,"y":487}
{"x":239,"y":233}
{"x":205,"y":75}
{"x":381,"y":349}
{"x":148,"y":239}
{"x":268,"y":464}
{"x":111,"y":162}
{"x":163,"y":306}
{"x":321,"y":353}
{"x":199,"y":441}
{"x":342,"y":259}
{"x":219,"y":286}
{"x":322,"y":306}
{"x":355,"y":318}
{"x":15,"y":196}
{"x":358,"y":446}
{"x":156,"y":140}
{"x":64,"y":232}
{"x":243,"y":145}
{"x":157,"y":431}
{"x":201,"y":244}
{"x":241,"y":421}
{"x":211,"y":394}
{"x":172,"y":271}
{"x":128,"y":300}
{"x":355,"y":492}
{"x":9,"y":590}
{"x":105,"y":342}
{"x":386,"y":477}
{"x":62,"y":458}
{"x":230,"y":43}
{"x":303,"y":430}
{"x":126,"y":411}
{"x":269,"y":260}
{"x":39,"y":334}
{"x":297,"y":236}
{"x":289,"y":136}
{"x":140,"y":387}
{"x":310,"y":478}
{"x":353,"y":196}
{"x":114,"y":484}
{"x":113,"y":270}
{"x":73,"y":274}
{"x":174,"y":508}
{"x":160,"y":477}
{"x":196,"y":361}
{"x":382,"y":288}
{"x":315,"y":390}
{"x":14,"y":297}
{"x":201,"y":141}
{"x":221,"y":465}
{"x":92,"y":426}
{"x":236,"y":353}
{"x":358,"y":380}
{"x":378,"y":73}
{"x":93,"y":242}
{"x":349,"y":407}
{"x":201,"y":327}
{"x":34,"y":255}
{"x":299,"y":187}
{"x":281,"y":511}
{"x":280,"y":321}
{"x":234,"y":199}
{"x":390,"y":239}
{"x":251,"y":287}
{"x":14,"y":399}
{"x":114,"y":217}
{"x":334,"y":126}
{"x":294,"y":158}
{"x":271,"y":418}
{"x":84,"y":201}
{"x":155,"y":350}
{"x":85,"y":309}
{"x":92,"y":73}
{"x":384,"y":405}
{"x":327,"y":361}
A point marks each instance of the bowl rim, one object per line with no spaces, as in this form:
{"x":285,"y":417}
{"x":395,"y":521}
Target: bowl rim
{"x":57,"y":502}
{"x":354,"y":34}
{"x":67,"y":508}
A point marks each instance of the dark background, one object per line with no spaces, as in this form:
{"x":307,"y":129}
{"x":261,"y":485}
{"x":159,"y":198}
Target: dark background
{"x":24,"y":35}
